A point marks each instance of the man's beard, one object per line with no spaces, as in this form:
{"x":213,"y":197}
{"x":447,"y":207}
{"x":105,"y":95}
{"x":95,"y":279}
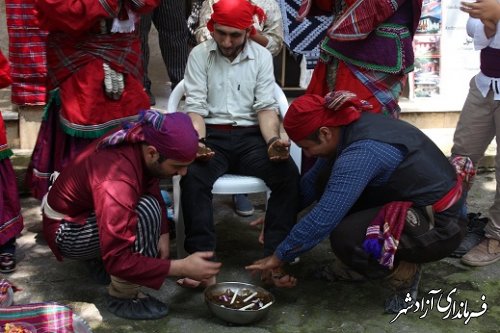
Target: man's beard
{"x":235,"y":52}
{"x":156,"y":171}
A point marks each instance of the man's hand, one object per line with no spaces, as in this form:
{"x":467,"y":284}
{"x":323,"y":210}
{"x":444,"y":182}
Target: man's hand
{"x":265,"y":263}
{"x":164,"y":246}
{"x":488,"y":10}
{"x":490,"y":28}
{"x":204,"y":153}
{"x":197,"y":266}
{"x":278,"y":149}
{"x":273,"y":272}
{"x":278,"y":277}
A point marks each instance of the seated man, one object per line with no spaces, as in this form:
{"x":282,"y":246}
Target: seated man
{"x":229,"y":86}
{"x":268,"y":33}
{"x":107,"y":204}
{"x":386,"y":195}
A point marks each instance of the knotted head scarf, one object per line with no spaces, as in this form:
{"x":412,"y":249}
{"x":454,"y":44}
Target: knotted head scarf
{"x":172,"y":134}
{"x":309,"y":112}
{"x":236,"y":14}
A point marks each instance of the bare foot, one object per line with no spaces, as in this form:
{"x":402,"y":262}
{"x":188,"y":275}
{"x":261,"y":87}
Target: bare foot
{"x":259,"y":223}
{"x":193,"y":284}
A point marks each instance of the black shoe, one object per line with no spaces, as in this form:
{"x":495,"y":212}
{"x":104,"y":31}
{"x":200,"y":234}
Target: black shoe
{"x":404,"y":296}
{"x":474,"y":235}
{"x":137,"y":308}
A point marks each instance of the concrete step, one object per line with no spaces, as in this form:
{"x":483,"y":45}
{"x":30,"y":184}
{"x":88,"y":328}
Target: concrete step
{"x":11,"y":120}
{"x":5,"y":99}
{"x":20,"y":161}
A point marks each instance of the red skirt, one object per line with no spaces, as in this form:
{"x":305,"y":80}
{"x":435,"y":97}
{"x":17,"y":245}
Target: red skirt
{"x":53,"y":150}
{"x":11,"y":221}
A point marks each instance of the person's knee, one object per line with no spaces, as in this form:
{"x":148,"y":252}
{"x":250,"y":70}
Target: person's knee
{"x":357,"y":259}
{"x":197,"y":179}
{"x":435,"y":244}
{"x":286,"y":179}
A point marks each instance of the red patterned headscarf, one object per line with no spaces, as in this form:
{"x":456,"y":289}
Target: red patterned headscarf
{"x":172,"y":134}
{"x":236,"y":14}
{"x":309,"y":112}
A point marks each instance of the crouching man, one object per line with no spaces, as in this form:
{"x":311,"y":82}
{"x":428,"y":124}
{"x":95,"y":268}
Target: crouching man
{"x":385,"y":195}
{"x":106,"y":204}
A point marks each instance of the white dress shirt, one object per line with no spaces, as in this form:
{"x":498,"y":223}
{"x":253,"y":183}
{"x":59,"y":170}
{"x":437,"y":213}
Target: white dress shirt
{"x":225,"y":92}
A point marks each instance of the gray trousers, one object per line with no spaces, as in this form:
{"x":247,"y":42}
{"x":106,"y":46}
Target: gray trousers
{"x":479,"y":123}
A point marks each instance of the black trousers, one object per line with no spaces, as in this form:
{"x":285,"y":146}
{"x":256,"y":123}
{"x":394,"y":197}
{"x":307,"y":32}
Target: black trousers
{"x":418,"y":243}
{"x":241,"y":151}
{"x":169,"y":19}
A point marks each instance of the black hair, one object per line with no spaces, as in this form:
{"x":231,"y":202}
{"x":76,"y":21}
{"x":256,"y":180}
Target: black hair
{"x":161,"y":158}
{"x":314,"y":136}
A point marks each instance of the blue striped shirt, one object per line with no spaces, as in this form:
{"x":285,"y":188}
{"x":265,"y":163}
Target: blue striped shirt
{"x":361,"y":164}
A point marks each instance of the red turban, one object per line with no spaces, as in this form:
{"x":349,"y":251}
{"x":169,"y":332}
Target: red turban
{"x":309,"y":112}
{"x":235,"y":14}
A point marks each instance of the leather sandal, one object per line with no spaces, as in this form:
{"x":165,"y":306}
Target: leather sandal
{"x":146,"y":308}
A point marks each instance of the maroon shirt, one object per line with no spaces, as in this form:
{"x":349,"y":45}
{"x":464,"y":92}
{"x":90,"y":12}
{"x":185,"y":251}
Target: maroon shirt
{"x":110,"y":182}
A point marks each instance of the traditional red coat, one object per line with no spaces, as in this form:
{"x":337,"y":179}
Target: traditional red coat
{"x":76,"y":51}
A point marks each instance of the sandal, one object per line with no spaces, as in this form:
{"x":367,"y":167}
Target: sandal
{"x":7,"y":263}
{"x":137,"y":308}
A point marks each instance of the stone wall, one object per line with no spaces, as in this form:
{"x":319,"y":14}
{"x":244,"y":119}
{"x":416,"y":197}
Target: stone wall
{"x":4,"y":38}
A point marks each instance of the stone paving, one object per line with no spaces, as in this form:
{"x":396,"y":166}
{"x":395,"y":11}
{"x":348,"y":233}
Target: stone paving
{"x":315,"y":305}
